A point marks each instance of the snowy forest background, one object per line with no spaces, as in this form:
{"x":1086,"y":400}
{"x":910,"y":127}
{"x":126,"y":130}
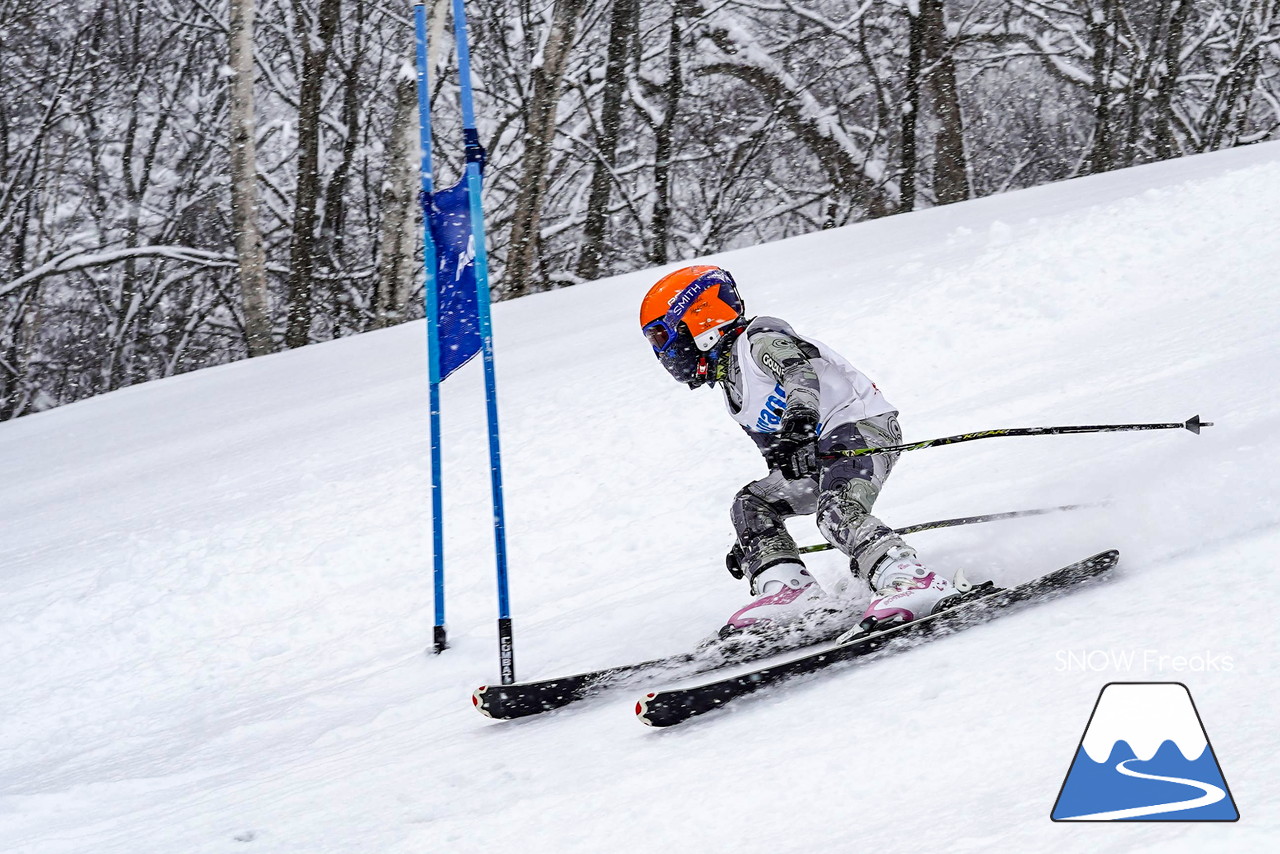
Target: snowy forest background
{"x":155,"y":218}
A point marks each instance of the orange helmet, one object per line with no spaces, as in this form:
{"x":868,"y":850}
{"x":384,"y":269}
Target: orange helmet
{"x":685,"y":315}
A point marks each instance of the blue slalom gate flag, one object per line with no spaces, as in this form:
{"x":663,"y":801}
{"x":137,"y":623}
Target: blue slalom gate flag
{"x":458,"y":315}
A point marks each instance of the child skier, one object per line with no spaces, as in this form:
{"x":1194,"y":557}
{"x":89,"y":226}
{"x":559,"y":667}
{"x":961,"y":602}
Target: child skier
{"x":802,"y":404}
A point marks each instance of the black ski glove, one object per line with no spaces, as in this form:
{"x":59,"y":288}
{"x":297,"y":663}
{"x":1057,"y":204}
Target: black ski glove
{"x":794,"y":450}
{"x":733,"y":561}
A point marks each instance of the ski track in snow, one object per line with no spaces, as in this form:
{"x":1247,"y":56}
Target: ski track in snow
{"x":215,"y":589}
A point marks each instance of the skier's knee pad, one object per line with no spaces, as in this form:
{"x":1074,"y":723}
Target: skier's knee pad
{"x":843,"y":512}
{"x":755,"y":510}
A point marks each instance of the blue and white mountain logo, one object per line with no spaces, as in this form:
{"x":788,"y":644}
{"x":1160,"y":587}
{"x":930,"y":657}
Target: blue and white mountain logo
{"x":1145,"y":757}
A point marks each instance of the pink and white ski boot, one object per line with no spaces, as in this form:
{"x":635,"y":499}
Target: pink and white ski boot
{"x":786,"y":593}
{"x":907,"y":590}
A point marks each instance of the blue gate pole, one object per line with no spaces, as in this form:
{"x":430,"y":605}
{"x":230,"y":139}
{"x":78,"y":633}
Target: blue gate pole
{"x":475,"y":155}
{"x":430,"y":296}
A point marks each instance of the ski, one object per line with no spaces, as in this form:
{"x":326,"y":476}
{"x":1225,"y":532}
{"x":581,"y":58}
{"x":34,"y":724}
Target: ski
{"x":666,"y":708}
{"x":506,"y":702}
{"x":522,"y":699}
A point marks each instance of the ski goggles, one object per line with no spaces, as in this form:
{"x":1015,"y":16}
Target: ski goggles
{"x":660,"y":334}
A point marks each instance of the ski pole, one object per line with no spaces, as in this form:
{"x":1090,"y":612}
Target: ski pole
{"x":1193,"y":424}
{"x":966,"y":520}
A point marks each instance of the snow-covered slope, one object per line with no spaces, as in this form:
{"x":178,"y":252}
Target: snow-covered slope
{"x":215,"y":589}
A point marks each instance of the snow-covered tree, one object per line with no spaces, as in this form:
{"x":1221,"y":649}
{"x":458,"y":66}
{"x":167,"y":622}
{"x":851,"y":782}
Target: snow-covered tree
{"x":171,"y":198}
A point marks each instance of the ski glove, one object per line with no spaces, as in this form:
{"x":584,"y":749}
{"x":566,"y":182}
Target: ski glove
{"x":733,"y":561}
{"x":794,"y":450}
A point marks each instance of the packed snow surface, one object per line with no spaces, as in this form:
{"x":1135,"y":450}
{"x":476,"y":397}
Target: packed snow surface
{"x":216,"y":590}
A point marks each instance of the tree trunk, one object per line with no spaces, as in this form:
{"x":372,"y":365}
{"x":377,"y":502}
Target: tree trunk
{"x":623,"y":21}
{"x":1143,"y":78}
{"x":250,"y":259}
{"x":399,"y":192}
{"x":344,"y":299}
{"x":1100,"y":38}
{"x":332,"y":226}
{"x":1165,"y":144}
{"x":950,"y":168}
{"x":523,"y":268}
{"x":665,"y":148}
{"x":316,"y":48}
{"x":911,"y":109}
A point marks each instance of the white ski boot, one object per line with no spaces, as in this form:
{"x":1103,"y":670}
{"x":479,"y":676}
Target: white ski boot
{"x":906,"y":590}
{"x":785,"y":592}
